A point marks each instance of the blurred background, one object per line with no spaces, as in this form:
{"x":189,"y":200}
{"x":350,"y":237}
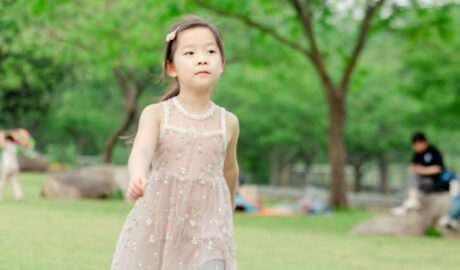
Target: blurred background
{"x":309,"y":83}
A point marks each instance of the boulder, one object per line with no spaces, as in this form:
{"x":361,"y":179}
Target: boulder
{"x":415,"y":223}
{"x":448,"y":233}
{"x":410,"y":225}
{"x":86,"y":182}
{"x":37,"y":163}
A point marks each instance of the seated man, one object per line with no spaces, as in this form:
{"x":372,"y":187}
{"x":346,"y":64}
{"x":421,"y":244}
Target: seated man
{"x":424,"y":172}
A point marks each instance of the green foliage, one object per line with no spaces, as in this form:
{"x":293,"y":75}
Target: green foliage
{"x":432,"y":62}
{"x":57,"y":61}
{"x":29,"y":71}
{"x":432,"y":232}
{"x":121,"y":153}
{"x":117,"y":195}
{"x":62,"y":153}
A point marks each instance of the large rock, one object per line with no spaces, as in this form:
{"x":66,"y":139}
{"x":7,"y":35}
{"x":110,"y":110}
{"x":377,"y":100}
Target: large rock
{"x":38,"y":163}
{"x":435,"y":206}
{"x":448,"y":233}
{"x":411,"y":225}
{"x":415,"y":223}
{"x":86,"y":182}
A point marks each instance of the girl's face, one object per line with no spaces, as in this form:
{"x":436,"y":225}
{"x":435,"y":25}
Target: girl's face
{"x":197,"y":60}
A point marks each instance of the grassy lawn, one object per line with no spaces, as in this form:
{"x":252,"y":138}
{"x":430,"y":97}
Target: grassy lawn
{"x":62,"y":234}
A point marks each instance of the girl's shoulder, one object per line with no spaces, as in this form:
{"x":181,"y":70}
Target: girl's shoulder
{"x":153,"y":111}
{"x":230,"y":118}
{"x":154,"y":107}
{"x":231,"y":122}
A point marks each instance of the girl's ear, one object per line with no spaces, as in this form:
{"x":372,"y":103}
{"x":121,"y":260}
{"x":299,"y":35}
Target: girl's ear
{"x":170,"y":70}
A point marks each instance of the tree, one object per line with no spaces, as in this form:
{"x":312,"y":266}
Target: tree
{"x":431,"y":64}
{"x":29,"y":72}
{"x":335,"y":93}
{"x":276,"y":129}
{"x":116,"y":39}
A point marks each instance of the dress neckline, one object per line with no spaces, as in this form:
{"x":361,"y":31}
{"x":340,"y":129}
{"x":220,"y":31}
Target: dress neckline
{"x":205,"y":115}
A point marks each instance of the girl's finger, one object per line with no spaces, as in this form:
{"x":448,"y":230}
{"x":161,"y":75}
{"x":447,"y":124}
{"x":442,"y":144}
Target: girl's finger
{"x":136,"y":192}
{"x":136,"y":185}
{"x":133,"y":191}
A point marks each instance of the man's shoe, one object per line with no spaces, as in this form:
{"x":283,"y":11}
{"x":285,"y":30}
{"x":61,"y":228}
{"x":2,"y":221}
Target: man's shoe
{"x":448,"y":223}
{"x":408,"y":205}
{"x":399,"y":211}
{"x":412,"y":204}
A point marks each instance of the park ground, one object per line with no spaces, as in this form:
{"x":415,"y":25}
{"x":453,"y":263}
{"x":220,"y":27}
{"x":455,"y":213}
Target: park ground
{"x":41,"y":234}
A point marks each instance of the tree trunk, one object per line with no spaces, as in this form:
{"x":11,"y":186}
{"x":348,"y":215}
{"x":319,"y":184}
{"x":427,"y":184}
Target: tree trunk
{"x":383,"y":172}
{"x":308,"y":174}
{"x":358,"y":176}
{"x":288,"y":156}
{"x":308,"y":159}
{"x":274,"y":167}
{"x":80,"y":143}
{"x":131,"y":91}
{"x":284,"y":178}
{"x":110,"y":142}
{"x":337,"y":152}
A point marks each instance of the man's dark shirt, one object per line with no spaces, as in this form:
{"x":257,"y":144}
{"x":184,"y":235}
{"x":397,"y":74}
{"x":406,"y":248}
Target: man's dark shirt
{"x":430,"y":157}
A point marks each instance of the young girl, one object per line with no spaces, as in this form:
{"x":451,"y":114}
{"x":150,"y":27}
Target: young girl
{"x":9,"y":166}
{"x":182,"y":218}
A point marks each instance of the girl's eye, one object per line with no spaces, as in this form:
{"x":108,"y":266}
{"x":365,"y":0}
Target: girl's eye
{"x":188,"y":53}
{"x":212,"y":51}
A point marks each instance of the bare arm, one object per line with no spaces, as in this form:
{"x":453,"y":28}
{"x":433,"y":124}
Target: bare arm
{"x":143,"y":149}
{"x":428,"y":170}
{"x":231,"y":169}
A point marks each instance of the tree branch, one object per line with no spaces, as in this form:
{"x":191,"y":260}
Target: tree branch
{"x":305,"y":16}
{"x":121,"y":80}
{"x":370,"y":10}
{"x":148,"y":77}
{"x":250,"y":22}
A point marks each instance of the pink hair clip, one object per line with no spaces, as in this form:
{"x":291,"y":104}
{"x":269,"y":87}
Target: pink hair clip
{"x":171,"y":36}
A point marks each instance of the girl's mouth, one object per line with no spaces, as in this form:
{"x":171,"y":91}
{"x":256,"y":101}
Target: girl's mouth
{"x":202,"y":72}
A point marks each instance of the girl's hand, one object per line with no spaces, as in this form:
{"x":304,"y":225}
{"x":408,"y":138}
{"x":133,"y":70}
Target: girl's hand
{"x":136,"y":188}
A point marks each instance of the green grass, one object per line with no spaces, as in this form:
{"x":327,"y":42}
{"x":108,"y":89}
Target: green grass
{"x":64,"y":234}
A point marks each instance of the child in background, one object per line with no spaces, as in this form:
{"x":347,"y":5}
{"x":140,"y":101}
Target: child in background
{"x":9,"y":168}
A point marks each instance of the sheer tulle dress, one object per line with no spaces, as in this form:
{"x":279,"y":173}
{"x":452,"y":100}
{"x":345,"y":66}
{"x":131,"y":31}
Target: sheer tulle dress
{"x":184,"y":220}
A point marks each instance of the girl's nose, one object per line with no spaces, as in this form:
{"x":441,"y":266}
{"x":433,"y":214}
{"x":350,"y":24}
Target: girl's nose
{"x":202,"y":59}
{"x":202,"y":62}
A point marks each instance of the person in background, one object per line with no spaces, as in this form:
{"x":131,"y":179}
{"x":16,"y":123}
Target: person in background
{"x":10,"y":166}
{"x":424,"y":173}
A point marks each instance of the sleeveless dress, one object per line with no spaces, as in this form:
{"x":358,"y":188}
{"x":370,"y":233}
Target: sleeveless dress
{"x":10,"y":157}
{"x":184,"y":220}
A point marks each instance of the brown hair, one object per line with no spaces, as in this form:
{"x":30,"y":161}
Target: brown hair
{"x":183,"y":23}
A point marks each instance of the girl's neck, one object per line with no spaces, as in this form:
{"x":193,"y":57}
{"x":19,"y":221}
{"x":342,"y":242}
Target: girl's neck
{"x":194,"y":102}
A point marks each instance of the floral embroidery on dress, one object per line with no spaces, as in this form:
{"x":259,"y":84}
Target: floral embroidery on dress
{"x":184,"y":220}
